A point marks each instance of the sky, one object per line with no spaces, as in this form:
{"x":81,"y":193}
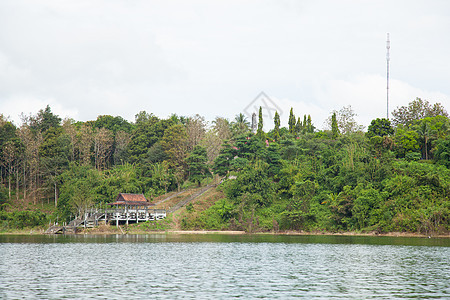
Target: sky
{"x":213,"y":58}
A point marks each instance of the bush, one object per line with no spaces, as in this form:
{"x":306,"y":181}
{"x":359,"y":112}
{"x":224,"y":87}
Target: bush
{"x":22,"y":219}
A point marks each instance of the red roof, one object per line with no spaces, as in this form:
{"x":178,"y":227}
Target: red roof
{"x":131,"y":199}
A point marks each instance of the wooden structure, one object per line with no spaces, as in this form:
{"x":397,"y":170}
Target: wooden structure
{"x":134,"y":208}
{"x":127,"y":208}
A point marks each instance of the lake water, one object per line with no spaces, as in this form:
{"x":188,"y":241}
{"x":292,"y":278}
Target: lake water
{"x":223,"y":266}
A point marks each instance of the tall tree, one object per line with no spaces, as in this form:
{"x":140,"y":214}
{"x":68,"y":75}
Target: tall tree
{"x":291,"y":121}
{"x":299,"y":126}
{"x":195,"y":130}
{"x":85,"y":140}
{"x":44,"y":120}
{"x":260,"y":132}
{"x":212,"y":143}
{"x":54,"y":153}
{"x":174,"y":143}
{"x":196,"y":161}
{"x":9,"y":150}
{"x":222,"y":128}
{"x":122,"y":139}
{"x":32,"y":140}
{"x":71,"y":132}
{"x":334,"y":126}
{"x":147,"y":133}
{"x":276,"y":130}
{"x":309,"y":126}
{"x":103,"y":141}
{"x":8,"y":161}
{"x":424,"y":133}
{"x":416,"y":110}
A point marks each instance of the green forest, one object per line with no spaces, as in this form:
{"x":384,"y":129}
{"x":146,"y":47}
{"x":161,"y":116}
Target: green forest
{"x":393,"y":176}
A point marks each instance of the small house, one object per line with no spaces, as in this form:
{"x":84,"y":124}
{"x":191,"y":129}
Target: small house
{"x":131,"y":200}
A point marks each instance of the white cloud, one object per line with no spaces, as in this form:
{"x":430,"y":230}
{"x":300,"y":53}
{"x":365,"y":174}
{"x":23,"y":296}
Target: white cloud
{"x":212,"y":58}
{"x":15,"y":106}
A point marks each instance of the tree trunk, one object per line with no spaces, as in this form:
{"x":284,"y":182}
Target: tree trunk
{"x":17,"y":183}
{"x":9,"y":187}
{"x":56,"y":196}
{"x":24,"y":183}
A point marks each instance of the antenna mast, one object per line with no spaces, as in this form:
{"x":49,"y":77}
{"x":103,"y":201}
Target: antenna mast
{"x":388,"y":46}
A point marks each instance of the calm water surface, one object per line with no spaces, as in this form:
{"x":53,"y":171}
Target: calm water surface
{"x":223,"y":266}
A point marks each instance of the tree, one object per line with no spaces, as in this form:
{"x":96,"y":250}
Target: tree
{"x":31,"y":140}
{"x":424,"y":133}
{"x":212,"y":143}
{"x":334,"y":126}
{"x":197,"y":167}
{"x":122,"y":139}
{"x":156,"y":154}
{"x":442,"y":152}
{"x":406,"y":141}
{"x":222,"y":128}
{"x":10,"y":149}
{"x":345,"y":118}
{"x":85,"y":140}
{"x":309,"y":126}
{"x":103,"y":141}
{"x":195,"y":130}
{"x":8,"y":161}
{"x":160,"y":175}
{"x":430,"y":130}
{"x":149,"y":130}
{"x":78,"y":190}
{"x":416,"y":110}
{"x":174,"y":143}
{"x":113,"y":124}
{"x":260,"y":132}
{"x":276,"y":130}
{"x":380,"y":127}
{"x":299,"y":126}
{"x":70,"y":131}
{"x":142,"y":117}
{"x":54,"y":158}
{"x":240,"y":125}
{"x":291,"y":121}
{"x":223,"y":160}
{"x":44,"y":120}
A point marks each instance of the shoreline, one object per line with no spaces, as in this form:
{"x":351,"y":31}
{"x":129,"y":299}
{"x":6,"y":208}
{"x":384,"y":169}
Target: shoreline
{"x":114,"y":230}
{"x":312,"y":233}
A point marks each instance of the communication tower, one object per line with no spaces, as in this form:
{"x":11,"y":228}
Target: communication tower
{"x":388,"y":46}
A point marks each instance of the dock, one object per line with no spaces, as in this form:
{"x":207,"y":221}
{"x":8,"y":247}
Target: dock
{"x":114,"y":216}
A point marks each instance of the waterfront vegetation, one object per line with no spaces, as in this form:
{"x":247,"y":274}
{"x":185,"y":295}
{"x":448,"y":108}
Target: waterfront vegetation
{"x":394,"y":176}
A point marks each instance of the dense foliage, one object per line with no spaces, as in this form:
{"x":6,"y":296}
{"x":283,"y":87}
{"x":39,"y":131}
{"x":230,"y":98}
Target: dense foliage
{"x":295,"y":178}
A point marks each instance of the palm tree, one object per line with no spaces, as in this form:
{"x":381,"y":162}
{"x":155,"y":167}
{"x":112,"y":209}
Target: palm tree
{"x":240,"y":124}
{"x":425,"y":132}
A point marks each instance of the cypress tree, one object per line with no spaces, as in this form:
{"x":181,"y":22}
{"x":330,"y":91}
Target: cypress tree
{"x":276,"y":130}
{"x":309,"y":126}
{"x":298,"y":126}
{"x":334,"y":126}
{"x":260,"y":124}
{"x":305,"y":124}
{"x":291,"y":121}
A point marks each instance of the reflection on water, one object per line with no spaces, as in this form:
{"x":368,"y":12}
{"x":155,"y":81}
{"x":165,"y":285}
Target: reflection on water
{"x":223,"y":266}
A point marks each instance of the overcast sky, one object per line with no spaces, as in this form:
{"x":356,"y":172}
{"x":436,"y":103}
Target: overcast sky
{"x":90,"y":58}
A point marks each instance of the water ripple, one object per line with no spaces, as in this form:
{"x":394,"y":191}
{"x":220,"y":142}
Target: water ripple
{"x":189,"y":270}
